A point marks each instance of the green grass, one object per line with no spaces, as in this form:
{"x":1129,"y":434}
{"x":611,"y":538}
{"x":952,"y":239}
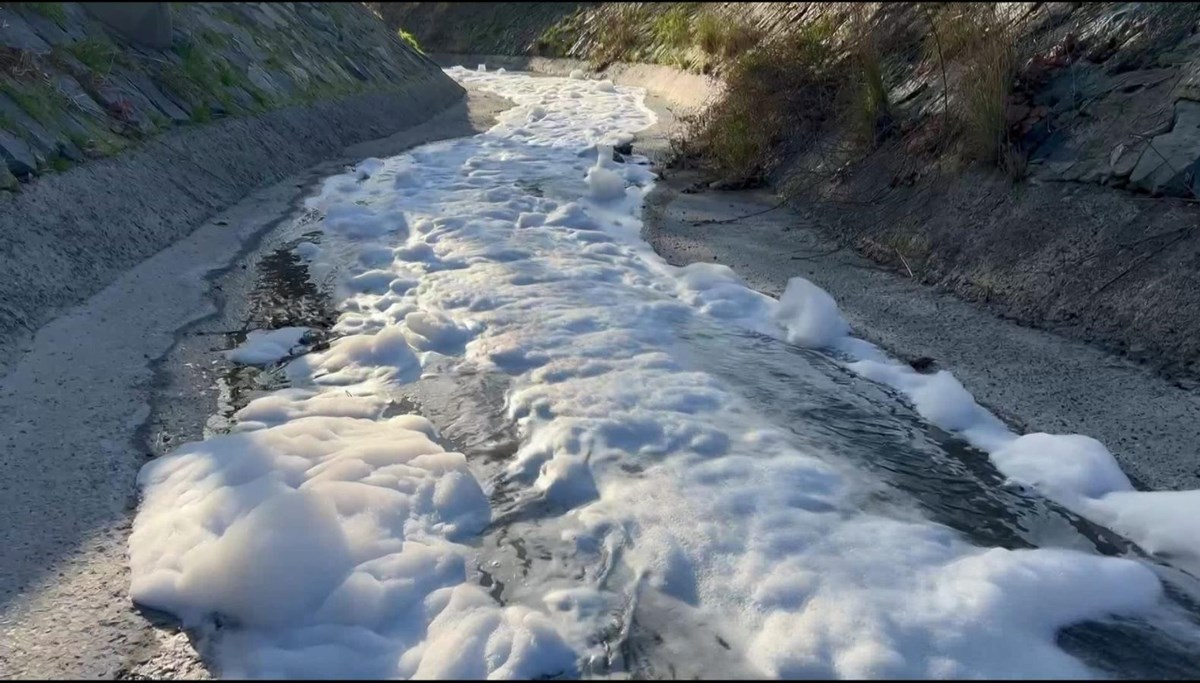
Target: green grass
{"x":872,"y":107}
{"x":38,"y":99}
{"x":51,"y":10}
{"x":97,"y":55}
{"x":672,"y":28}
{"x":410,"y":39}
{"x":624,"y":36}
{"x":555,"y":41}
{"x":60,"y":164}
{"x":722,"y":36}
{"x":219,"y":40}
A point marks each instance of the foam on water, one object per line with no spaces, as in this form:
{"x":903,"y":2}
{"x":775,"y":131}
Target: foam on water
{"x":333,"y":540}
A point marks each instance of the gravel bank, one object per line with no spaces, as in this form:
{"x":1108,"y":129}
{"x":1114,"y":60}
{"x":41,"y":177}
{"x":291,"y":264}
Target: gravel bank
{"x":1035,"y":380}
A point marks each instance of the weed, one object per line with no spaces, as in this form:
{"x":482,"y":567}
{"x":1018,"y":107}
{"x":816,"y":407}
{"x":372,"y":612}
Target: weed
{"x":201,"y":114}
{"x":97,"y":55}
{"x":219,"y":40}
{"x":724,"y":37}
{"x":556,"y":41}
{"x":37,"y":98}
{"x":785,"y":88}
{"x":60,"y":164}
{"x":672,"y":28}
{"x":624,"y":34}
{"x":989,"y":70}
{"x":871,"y":116}
{"x":410,"y":39}
{"x":708,"y":32}
{"x":955,"y":27}
{"x":51,"y":10}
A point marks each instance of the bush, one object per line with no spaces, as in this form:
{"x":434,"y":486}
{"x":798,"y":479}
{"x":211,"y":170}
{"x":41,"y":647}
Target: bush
{"x":780,"y":90}
{"x":723,"y":37}
{"x":989,"y":68}
{"x":871,"y":116}
{"x":622,"y":36}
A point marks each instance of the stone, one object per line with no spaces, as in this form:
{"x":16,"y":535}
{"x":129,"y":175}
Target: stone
{"x":1167,"y":164}
{"x":1122,"y":160}
{"x":144,"y":23}
{"x":242,"y":98}
{"x":1189,"y":82}
{"x":34,"y":132}
{"x":70,"y":88}
{"x":8,"y":181}
{"x":262,"y":80}
{"x":156,"y":97}
{"x":17,"y":154}
{"x":16,"y":33}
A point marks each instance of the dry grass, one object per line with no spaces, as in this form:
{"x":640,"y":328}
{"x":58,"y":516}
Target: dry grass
{"x":623,"y":34}
{"x":989,"y":68}
{"x":775,"y":92}
{"x":724,"y":37}
{"x":871,"y":118}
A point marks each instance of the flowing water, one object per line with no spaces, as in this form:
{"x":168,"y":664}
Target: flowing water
{"x":663,"y":473}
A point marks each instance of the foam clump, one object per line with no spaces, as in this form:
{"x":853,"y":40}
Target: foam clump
{"x":809,"y":315}
{"x":263,"y":347}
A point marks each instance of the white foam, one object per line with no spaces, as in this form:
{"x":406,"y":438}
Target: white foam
{"x":263,"y":347}
{"x":335,"y":540}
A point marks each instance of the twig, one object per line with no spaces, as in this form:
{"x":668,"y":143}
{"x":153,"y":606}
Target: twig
{"x":937,"y":40}
{"x":904,"y":261}
{"x":738,"y":218}
{"x":823,"y":254}
{"x":1134,"y":266}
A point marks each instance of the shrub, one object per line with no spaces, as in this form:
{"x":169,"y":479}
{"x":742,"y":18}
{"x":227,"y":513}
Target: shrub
{"x":97,"y":55}
{"x":871,"y":116}
{"x":622,"y":36}
{"x":989,"y":68}
{"x":724,"y":37}
{"x":785,"y":88}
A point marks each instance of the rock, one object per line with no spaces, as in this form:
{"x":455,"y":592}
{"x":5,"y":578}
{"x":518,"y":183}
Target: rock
{"x":1122,"y":160}
{"x":1189,"y":82}
{"x":71,"y":89}
{"x":1168,"y":164}
{"x":155,"y":97}
{"x":124,"y":102}
{"x":17,"y":34}
{"x":242,"y":98}
{"x":625,"y":148}
{"x":17,"y":154}
{"x":42,"y":139}
{"x":8,"y":181}
{"x":147,"y":23}
{"x":262,"y":80}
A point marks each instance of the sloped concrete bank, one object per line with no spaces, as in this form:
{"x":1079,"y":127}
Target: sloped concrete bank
{"x":66,"y":236}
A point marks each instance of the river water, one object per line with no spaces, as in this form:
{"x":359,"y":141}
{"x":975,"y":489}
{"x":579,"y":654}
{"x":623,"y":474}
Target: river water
{"x":627,"y":469}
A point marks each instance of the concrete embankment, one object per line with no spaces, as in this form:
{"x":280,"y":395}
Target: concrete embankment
{"x":69,"y":235}
{"x":124,"y":127}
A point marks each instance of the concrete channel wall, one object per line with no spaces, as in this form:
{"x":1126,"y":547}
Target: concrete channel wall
{"x":66,"y":234}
